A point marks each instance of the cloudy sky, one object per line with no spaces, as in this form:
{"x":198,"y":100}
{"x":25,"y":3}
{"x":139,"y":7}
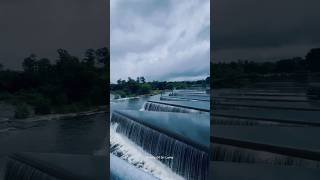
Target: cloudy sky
{"x":43,"y":26}
{"x":264,"y":30}
{"x":160,"y":39}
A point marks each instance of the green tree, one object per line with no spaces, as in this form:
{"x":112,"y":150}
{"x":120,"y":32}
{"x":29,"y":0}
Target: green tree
{"x":90,"y":57}
{"x":29,"y":63}
{"x":103,"y":56}
{"x":145,"y":88}
{"x":22,"y":111}
{"x":313,"y":60}
{"x":44,"y":65}
{"x":142,"y":79}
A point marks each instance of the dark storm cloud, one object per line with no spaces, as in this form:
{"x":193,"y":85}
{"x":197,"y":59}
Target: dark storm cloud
{"x":43,"y":26}
{"x":264,"y":30}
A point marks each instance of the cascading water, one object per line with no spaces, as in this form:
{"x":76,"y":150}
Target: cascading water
{"x":121,"y":170}
{"x":150,"y":106}
{"x":189,"y":162}
{"x":16,"y":170}
{"x":243,"y":155}
{"x":128,"y":151}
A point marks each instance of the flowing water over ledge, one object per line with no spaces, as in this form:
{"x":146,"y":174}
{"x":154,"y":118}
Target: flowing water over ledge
{"x":56,"y":136}
{"x":124,"y":148}
{"x":154,"y":146}
{"x":271,"y":125}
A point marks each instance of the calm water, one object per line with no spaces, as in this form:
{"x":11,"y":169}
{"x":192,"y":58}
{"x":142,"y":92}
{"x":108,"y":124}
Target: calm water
{"x":79,"y":136}
{"x":281,"y":114}
{"x":290,"y":101}
{"x":131,"y":104}
{"x":143,"y":155}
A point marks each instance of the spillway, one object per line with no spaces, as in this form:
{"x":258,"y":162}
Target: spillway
{"x":288,"y":146}
{"x":265,"y":133}
{"x":184,"y":98}
{"x":121,"y":170}
{"x":180,"y":141}
{"x":44,"y":166}
{"x":178,"y":106}
{"x":239,"y":171}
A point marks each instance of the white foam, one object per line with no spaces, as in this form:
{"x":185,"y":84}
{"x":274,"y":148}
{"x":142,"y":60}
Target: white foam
{"x":138,"y":157}
{"x":142,"y":108}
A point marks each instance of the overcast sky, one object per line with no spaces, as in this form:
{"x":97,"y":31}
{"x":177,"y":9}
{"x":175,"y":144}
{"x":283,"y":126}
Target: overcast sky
{"x":160,"y":39}
{"x":154,"y":37}
{"x":43,"y":26}
{"x":264,"y":30}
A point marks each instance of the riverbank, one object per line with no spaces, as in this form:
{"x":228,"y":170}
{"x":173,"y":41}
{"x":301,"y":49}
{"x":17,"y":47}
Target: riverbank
{"x":7,"y":113}
{"x":77,"y":133}
{"x":98,"y":110}
{"x":116,"y":95}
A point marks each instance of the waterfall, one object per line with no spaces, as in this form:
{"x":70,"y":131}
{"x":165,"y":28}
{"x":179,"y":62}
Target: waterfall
{"x":128,"y":151}
{"x":183,"y":159}
{"x":151,"y":106}
{"x":121,"y":170}
{"x":17,"y":170}
{"x":243,"y":155}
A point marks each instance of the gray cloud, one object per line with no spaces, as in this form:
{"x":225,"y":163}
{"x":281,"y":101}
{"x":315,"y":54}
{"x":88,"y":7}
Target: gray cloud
{"x":161,"y":40}
{"x":43,"y":26}
{"x":264,"y":30}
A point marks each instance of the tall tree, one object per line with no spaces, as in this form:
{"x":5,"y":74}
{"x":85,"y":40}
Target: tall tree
{"x":44,"y":65}
{"x":313,"y":60}
{"x":29,"y":63}
{"x":103,"y":55}
{"x":142,"y":79}
{"x":90,"y":57}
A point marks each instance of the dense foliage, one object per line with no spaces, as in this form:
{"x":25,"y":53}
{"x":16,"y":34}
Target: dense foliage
{"x":244,"y":72}
{"x":131,"y":87}
{"x":62,"y":85}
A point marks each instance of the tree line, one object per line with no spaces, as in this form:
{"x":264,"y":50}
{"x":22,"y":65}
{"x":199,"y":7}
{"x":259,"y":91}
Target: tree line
{"x":243,"y":72}
{"x":66,"y":84}
{"x":140,"y":86}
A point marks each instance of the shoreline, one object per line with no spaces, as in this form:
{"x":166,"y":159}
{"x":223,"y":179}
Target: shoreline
{"x":133,"y":97}
{"x":114,"y":93}
{"x":97,"y":110}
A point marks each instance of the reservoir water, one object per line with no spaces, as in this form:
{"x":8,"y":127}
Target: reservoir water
{"x":154,"y":136}
{"x":269,"y":126}
{"x":85,"y":135}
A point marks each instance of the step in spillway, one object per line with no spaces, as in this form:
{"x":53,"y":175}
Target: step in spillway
{"x":121,"y":170}
{"x":178,"y":106}
{"x":185,"y":98}
{"x":288,"y":146}
{"x":242,"y":171}
{"x":45,"y":166}
{"x":182,"y":137}
{"x":265,"y":133}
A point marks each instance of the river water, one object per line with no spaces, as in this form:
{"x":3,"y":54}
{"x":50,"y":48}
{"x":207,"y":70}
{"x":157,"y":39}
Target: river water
{"x":126,"y":146}
{"x":85,"y":135}
{"x":280,"y":114}
{"x":132,"y":153}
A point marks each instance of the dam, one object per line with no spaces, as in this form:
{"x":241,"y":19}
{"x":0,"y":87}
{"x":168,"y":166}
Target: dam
{"x":177,"y":106}
{"x":50,"y":166}
{"x":268,"y":130}
{"x":54,"y":149}
{"x":171,"y":136}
